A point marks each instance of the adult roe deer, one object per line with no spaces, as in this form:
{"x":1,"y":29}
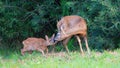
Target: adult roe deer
{"x":38,"y":44}
{"x":69,"y":26}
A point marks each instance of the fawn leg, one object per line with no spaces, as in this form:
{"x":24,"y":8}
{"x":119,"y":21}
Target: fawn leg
{"x":53,"y":50}
{"x":46,"y":50}
{"x":30,"y":52}
{"x":23,"y":51}
{"x":40,"y":50}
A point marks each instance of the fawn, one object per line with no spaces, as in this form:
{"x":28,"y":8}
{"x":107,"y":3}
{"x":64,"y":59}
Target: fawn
{"x":38,"y":44}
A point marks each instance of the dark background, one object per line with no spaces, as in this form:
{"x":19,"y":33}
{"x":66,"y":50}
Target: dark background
{"x":20,"y":19}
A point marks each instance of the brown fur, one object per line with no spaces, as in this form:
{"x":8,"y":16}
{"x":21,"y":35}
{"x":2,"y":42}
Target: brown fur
{"x":69,"y":26}
{"x":38,"y":44}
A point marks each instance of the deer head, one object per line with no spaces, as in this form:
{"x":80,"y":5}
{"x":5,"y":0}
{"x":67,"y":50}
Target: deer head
{"x":63,"y":29}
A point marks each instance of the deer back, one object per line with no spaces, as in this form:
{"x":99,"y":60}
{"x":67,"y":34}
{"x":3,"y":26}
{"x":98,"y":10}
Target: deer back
{"x":71,"y":25}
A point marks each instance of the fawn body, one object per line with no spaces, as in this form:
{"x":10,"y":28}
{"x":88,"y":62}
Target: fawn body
{"x":38,"y":44}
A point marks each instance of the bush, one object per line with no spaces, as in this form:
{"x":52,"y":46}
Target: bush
{"x":22,"y":19}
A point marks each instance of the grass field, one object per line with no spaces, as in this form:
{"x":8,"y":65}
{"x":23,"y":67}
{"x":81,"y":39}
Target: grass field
{"x":107,"y":59}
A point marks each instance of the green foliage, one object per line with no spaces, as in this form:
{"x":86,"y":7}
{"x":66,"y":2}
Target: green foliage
{"x":20,"y":19}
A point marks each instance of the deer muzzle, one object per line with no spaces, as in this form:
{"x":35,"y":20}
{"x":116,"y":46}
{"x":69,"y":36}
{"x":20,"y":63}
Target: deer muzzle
{"x":57,"y":37}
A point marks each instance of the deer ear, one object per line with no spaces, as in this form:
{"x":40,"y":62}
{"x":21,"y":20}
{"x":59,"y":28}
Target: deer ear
{"x":46,"y":37}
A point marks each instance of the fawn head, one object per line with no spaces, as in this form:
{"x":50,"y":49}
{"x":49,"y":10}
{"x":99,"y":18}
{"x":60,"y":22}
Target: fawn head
{"x":50,"y":41}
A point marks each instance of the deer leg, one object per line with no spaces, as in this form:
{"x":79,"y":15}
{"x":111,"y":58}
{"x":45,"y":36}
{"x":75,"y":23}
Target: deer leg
{"x":79,"y":41}
{"x":65,"y":43}
{"x":86,"y":42}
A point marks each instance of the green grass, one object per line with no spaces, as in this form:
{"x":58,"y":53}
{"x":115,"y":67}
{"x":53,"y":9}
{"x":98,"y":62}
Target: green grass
{"x":107,"y":59}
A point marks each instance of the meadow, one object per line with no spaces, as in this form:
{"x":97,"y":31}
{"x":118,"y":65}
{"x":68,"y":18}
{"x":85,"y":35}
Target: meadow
{"x":105,"y":59}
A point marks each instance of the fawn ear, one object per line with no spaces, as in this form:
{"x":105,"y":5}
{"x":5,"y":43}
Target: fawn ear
{"x":46,"y":37}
